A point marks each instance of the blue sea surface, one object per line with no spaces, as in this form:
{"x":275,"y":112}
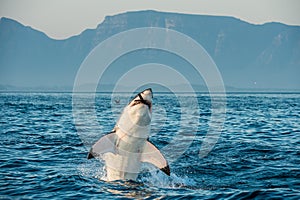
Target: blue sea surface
{"x":43,"y":152}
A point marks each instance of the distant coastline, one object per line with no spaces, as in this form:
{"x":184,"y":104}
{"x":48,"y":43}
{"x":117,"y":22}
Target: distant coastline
{"x":249,"y":57}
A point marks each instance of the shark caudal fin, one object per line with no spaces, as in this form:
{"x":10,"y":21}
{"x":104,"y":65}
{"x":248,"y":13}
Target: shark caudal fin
{"x":104,"y":145}
{"x":152,"y":155}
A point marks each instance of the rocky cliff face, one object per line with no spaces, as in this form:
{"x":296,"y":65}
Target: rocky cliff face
{"x":248,"y":56}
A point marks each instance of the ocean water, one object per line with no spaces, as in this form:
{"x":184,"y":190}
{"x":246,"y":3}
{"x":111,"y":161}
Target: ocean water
{"x":43,"y":151}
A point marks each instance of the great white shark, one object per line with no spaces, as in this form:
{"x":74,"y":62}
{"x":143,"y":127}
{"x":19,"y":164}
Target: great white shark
{"x":127,"y":145}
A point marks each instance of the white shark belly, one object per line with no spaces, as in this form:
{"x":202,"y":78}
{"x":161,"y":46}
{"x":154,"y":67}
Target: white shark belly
{"x":125,"y":163}
{"x":120,"y":167}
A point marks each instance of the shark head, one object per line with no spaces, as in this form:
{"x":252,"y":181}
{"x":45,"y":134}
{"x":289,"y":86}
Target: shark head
{"x":142,"y":101}
{"x":136,"y":116}
{"x":140,"y":108}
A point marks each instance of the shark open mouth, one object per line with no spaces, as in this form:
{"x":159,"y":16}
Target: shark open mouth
{"x":146,"y":102}
{"x":142,"y":100}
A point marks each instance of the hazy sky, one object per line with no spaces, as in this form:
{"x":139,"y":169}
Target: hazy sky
{"x":63,"y":18}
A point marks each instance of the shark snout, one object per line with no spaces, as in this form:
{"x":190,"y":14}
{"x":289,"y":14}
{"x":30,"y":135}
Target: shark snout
{"x":148,"y":91}
{"x":147,"y":94}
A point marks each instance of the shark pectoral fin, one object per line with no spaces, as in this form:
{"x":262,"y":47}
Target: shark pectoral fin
{"x":152,"y":155}
{"x":103,"y":145}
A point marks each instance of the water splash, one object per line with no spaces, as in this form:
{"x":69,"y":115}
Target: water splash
{"x":151,"y":176}
{"x":92,"y":169}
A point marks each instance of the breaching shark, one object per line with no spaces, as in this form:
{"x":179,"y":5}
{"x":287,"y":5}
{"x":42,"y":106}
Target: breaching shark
{"x":127,"y":145}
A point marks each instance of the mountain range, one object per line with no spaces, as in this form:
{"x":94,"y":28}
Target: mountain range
{"x":248,"y":56}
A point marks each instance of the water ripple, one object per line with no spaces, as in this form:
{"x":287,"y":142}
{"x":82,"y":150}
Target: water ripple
{"x":257,"y":155}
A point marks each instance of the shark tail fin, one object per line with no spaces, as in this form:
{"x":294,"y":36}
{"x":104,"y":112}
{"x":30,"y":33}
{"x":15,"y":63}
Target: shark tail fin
{"x":152,"y":155}
{"x":103,"y":145}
